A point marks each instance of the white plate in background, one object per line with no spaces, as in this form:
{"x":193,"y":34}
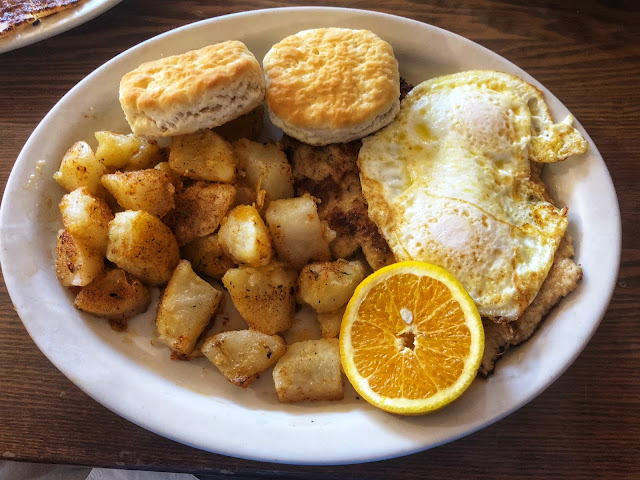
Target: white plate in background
{"x":190,"y":401}
{"x":54,"y":24}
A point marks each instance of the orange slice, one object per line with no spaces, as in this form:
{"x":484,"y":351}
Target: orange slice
{"x":411,"y":338}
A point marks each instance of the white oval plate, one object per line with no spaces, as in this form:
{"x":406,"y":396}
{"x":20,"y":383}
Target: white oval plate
{"x":54,"y":24}
{"x":190,"y":401}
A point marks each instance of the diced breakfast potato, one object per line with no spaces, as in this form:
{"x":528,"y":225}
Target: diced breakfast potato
{"x":76,"y":265}
{"x":248,"y":125}
{"x":203,"y":155}
{"x":143,"y":246}
{"x":304,"y":327}
{"x":309,"y":370}
{"x":245,"y":238}
{"x":150,"y":190}
{"x":148,"y":156}
{"x":115,"y":149}
{"x":207,"y":257}
{"x":186,"y":307}
{"x":80,"y":168}
{"x":264,"y":296}
{"x":199,"y":209}
{"x":176,"y":179}
{"x":86,"y":218}
{"x":327,"y":286}
{"x":331,"y":322}
{"x":265,"y":167}
{"x":115,"y":295}
{"x":242,"y":355}
{"x":297,"y":233}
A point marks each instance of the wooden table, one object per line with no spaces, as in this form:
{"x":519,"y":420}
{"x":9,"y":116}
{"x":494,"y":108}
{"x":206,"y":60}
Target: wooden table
{"x":585,"y":425}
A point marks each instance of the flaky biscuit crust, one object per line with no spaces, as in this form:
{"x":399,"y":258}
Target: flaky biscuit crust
{"x":331,"y":78}
{"x":161,"y":94}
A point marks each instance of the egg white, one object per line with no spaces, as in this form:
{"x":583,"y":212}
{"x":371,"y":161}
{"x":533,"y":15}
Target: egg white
{"x":448,"y":182}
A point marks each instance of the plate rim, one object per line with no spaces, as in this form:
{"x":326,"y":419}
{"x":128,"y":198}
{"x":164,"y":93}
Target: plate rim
{"x":287,"y":459}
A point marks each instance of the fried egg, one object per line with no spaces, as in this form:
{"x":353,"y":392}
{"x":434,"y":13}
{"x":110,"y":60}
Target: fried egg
{"x":448,"y":182}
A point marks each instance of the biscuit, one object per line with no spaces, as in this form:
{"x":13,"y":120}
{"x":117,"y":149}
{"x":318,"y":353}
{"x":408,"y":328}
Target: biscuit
{"x":331,"y":85}
{"x":199,"y":89}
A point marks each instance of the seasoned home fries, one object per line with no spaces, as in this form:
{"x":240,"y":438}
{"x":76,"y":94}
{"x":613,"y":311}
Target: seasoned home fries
{"x":217,"y":216}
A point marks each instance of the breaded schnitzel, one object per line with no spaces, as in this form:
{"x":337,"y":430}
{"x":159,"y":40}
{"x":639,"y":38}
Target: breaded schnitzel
{"x":331,"y":175}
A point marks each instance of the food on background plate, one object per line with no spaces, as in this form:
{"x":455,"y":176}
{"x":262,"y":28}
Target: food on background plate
{"x":411,"y":339}
{"x":199,"y":89}
{"x":287,"y":224}
{"x":331,"y":85}
{"x":16,"y":14}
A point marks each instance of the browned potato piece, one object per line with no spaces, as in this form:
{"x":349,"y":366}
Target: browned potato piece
{"x":80,"y":168}
{"x":150,"y":190}
{"x":304,"y":327}
{"x":176,"y":179}
{"x":206,"y":256}
{"x":264,"y":296}
{"x":187,"y":305}
{"x":76,"y":265}
{"x":248,"y":125}
{"x":309,"y":370}
{"x":244,"y":237}
{"x":203,"y":155}
{"x":242,"y":355}
{"x":331,"y":322}
{"x":115,"y":295}
{"x":86,"y":218}
{"x":265,"y":167}
{"x":114,"y":149}
{"x":297,"y":233}
{"x":148,"y":156}
{"x":327,"y":286}
{"x":199,"y":210}
{"x":142,"y":245}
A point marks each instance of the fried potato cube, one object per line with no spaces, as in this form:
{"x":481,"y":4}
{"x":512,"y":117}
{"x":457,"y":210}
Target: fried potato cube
{"x":143,"y":246}
{"x":264,"y":296}
{"x":176,"y":179}
{"x":115,"y":149}
{"x":199,"y":209}
{"x":86,"y":218}
{"x":242,"y":355}
{"x":327,"y":286}
{"x":80,"y":168}
{"x":265,"y":167}
{"x":331,"y":322}
{"x":148,"y":156}
{"x":114,"y":295}
{"x":309,"y":370}
{"x":296,"y":230}
{"x":248,"y":125}
{"x":150,"y":190}
{"x":207,"y":257}
{"x":185,"y":309}
{"x":245,"y":238}
{"x":76,"y":265}
{"x":203,"y":155}
{"x":304,"y":327}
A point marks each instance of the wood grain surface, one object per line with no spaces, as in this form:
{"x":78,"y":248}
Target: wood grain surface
{"x":586,"y":425}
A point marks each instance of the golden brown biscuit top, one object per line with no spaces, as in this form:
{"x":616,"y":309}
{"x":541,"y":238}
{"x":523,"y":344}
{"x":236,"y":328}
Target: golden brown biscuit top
{"x":331,"y":78}
{"x":183,"y":79}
